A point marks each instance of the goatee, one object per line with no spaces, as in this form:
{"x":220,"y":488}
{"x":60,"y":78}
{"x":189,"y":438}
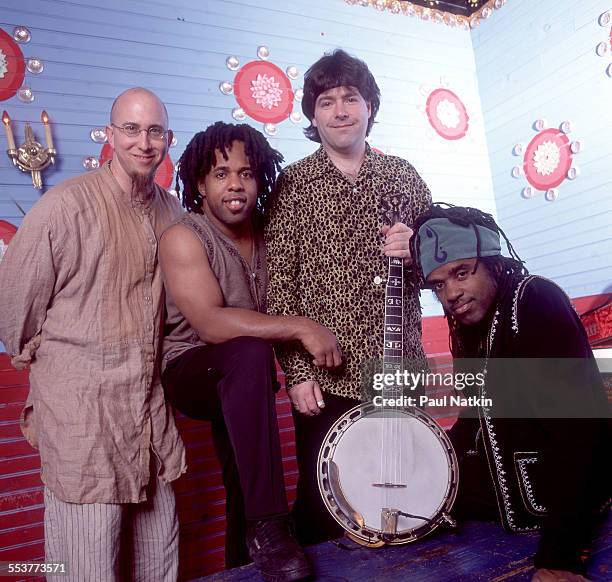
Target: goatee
{"x":142,"y":185}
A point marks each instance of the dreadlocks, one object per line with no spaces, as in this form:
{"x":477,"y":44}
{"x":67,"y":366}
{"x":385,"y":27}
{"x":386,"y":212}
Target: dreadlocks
{"x":505,"y":271}
{"x":199,"y":158}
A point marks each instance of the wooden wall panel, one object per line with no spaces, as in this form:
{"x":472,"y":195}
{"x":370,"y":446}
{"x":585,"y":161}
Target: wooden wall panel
{"x":93,"y":51}
{"x":537,"y":60}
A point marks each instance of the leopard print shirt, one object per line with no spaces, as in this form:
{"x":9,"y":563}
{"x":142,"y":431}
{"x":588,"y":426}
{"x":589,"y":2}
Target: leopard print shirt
{"x":325,"y":260}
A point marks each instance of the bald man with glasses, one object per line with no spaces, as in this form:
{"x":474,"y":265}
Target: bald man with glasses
{"x":82,"y":307}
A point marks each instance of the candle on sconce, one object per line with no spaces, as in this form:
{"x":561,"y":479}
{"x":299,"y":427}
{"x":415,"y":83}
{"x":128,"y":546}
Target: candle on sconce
{"x":9,"y":131}
{"x":49,"y":139}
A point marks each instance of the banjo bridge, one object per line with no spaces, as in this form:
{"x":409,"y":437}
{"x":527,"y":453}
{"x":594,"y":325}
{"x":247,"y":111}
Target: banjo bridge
{"x":390,"y":485}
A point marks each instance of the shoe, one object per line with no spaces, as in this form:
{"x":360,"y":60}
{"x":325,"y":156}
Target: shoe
{"x":276,"y":553}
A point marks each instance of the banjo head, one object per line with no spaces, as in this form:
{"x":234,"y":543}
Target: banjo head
{"x":375,"y":466}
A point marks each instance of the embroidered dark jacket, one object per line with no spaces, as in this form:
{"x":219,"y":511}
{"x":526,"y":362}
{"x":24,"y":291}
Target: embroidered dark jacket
{"x":546,"y":435}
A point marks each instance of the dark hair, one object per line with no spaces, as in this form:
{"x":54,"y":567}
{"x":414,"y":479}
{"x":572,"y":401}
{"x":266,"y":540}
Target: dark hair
{"x":505,"y":271}
{"x":338,"y":69}
{"x":199,"y":158}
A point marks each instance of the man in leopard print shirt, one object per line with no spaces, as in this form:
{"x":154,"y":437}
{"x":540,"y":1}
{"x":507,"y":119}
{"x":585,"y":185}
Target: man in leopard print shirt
{"x":331,"y":222}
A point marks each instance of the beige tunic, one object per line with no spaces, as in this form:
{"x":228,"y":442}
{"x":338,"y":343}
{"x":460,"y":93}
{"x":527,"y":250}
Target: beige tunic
{"x":82,"y":303}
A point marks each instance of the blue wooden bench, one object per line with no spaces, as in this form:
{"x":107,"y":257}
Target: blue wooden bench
{"x":477,"y":551}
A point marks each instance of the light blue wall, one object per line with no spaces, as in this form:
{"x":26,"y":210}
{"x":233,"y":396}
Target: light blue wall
{"x":93,"y":50}
{"x":537,"y":60}
{"x":527,"y":61}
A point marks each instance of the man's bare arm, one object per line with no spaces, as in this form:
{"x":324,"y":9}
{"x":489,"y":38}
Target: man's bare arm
{"x":196,"y":292}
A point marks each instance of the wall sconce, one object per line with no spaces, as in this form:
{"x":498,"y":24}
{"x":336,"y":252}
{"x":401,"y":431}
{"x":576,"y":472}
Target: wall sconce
{"x":30,"y":156}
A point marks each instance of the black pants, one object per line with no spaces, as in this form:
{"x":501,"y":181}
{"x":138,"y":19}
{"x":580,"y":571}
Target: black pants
{"x":313,"y":522}
{"x":476,"y":495}
{"x":567,"y":531}
{"x":233,"y":385}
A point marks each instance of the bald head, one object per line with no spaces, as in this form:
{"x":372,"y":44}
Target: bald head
{"x":137,"y":153}
{"x":139,"y":97}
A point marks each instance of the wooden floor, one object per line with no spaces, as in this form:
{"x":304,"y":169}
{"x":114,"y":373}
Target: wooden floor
{"x":479,"y":551}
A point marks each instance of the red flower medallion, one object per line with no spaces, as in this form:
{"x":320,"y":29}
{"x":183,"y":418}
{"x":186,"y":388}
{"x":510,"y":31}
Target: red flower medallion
{"x":12,"y":66}
{"x":264,"y":92}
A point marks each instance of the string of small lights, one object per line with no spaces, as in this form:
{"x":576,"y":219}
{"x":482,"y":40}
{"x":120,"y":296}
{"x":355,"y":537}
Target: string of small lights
{"x":432,"y":10}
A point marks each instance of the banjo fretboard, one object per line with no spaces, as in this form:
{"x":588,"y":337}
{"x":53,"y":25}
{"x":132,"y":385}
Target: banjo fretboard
{"x":393,"y":352}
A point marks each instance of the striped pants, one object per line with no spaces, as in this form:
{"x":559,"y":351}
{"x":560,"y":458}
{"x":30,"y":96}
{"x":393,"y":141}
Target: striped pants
{"x":112,"y":542}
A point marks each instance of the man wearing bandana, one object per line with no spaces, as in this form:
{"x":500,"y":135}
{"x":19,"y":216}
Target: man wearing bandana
{"x":537,"y":457}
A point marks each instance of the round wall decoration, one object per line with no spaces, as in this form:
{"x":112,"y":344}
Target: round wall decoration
{"x":264,"y":92}
{"x":7,"y":232}
{"x":547,"y":159}
{"x":447,"y":114}
{"x":604,"y":48}
{"x":163,"y":175}
{"x":12,"y":66}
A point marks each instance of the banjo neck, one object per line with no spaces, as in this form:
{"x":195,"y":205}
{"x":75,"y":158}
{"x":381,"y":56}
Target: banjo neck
{"x":393,"y":351}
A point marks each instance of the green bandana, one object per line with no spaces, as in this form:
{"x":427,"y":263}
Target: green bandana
{"x":442,"y":241}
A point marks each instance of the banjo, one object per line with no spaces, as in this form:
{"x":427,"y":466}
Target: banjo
{"x":388,"y":474}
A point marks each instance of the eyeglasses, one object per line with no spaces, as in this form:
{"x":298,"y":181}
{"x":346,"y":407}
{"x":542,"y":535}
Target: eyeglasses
{"x":132,"y":130}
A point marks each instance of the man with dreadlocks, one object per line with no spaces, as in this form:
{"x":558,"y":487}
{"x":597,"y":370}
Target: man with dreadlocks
{"x":536,"y":455}
{"x":218,"y":362}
